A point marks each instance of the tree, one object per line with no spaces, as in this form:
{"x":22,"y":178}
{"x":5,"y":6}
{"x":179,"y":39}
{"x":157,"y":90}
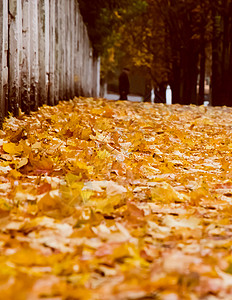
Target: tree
{"x":143,"y":39}
{"x":97,"y":23}
{"x":170,"y":40}
{"x":222,"y":52}
{"x":103,"y":18}
{"x":165,"y":40}
{"x":105,"y":21}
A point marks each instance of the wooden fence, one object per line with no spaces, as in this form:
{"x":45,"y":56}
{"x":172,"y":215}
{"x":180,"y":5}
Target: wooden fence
{"x":45,"y":55}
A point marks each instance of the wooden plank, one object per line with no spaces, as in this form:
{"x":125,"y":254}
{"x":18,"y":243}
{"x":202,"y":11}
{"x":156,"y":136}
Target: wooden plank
{"x":47,"y":48}
{"x":52,"y":41}
{"x":25,"y":72}
{"x":68,"y":48}
{"x":3,"y":59}
{"x":57,"y":52}
{"x":34,"y":54}
{"x":76,"y":49}
{"x":15,"y":55}
{"x":65,"y":38}
{"x":42,"y":77}
{"x":2,"y":100}
{"x":96,"y":77}
{"x":61,"y":51}
{"x":84,"y":66}
{"x":81,"y":74}
{"x":90,"y":66}
{"x":72,"y":31}
{"x":43,"y":16}
{"x":87,"y":62}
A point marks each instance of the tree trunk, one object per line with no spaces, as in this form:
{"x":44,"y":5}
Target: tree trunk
{"x":226,"y":58}
{"x":189,"y":73}
{"x":230,"y":60}
{"x":175,"y":83}
{"x":202,"y":68}
{"x":216,"y":62}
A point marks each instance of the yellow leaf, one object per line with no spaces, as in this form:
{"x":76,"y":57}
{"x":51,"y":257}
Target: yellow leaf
{"x":12,"y":148}
{"x":103,"y":154}
{"x":41,"y":163}
{"x":85,"y":133}
{"x":22,"y":162}
{"x":4,"y":205}
{"x":72,"y":178}
{"x":107,"y":205}
{"x":86,"y":195}
{"x":50,"y":201}
{"x":165,"y":193}
{"x":28,"y":257}
{"x":15,"y":174}
{"x":81,"y":167}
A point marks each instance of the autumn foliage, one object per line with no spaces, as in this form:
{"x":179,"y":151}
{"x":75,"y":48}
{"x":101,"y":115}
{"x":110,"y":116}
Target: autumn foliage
{"x":116,"y":200}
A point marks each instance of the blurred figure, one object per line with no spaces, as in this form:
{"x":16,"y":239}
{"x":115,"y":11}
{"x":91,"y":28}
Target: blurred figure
{"x":124,"y":84}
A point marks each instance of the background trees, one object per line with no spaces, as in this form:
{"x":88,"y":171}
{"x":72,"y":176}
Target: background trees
{"x":222,"y":52}
{"x":175,"y":42}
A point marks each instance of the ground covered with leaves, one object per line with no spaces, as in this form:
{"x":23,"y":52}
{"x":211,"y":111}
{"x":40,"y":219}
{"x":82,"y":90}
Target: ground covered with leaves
{"x":116,"y":200}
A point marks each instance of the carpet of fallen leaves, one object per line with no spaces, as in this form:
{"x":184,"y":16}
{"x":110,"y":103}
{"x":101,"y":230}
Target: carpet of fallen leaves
{"x":116,"y":200}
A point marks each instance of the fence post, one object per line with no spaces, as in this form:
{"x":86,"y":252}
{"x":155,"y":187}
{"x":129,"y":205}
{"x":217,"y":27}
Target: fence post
{"x":15,"y":55}
{"x":61,"y":50}
{"x":57,"y":53}
{"x":34,"y":54}
{"x":25,"y":75}
{"x":96,"y":76}
{"x":52,"y":58}
{"x":81,"y":60}
{"x":43,"y":11}
{"x":72,"y":31}
{"x":47,"y":49}
{"x":3,"y":59}
{"x":89,"y":64}
{"x":67,"y":49}
{"x":77,"y":51}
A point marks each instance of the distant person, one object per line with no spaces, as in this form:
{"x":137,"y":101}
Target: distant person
{"x":124,"y":84}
